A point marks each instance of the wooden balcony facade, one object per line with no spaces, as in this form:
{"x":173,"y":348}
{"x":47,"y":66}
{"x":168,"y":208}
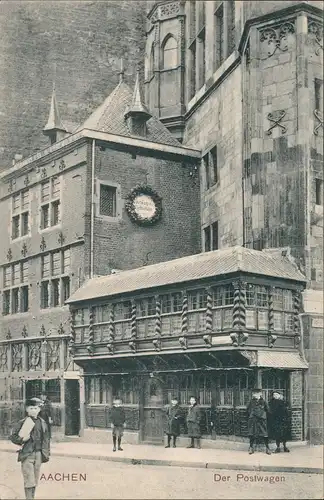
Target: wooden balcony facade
{"x":204,"y":325}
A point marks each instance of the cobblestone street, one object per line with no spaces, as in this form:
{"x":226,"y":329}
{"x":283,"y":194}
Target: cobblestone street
{"x":107,"y":480}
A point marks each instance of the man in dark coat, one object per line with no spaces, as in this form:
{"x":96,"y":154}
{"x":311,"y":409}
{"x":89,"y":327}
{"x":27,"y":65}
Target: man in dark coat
{"x":257,"y":420}
{"x":46,"y":412}
{"x":173,"y":414}
{"x":118,"y":422}
{"x":279,"y":425}
{"x":193,"y":423}
{"x":32,"y":435}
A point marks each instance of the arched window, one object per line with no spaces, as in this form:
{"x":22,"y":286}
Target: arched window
{"x":169,"y":53}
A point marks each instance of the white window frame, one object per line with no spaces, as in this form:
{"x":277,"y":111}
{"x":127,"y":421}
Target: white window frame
{"x":19,"y":214}
{"x":115,"y":185}
{"x":50,"y":202}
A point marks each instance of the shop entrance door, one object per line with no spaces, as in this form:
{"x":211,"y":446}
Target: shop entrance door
{"x":72,"y":407}
{"x":153,"y":414}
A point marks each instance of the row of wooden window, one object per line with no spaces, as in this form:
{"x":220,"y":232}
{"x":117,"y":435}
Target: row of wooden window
{"x":232,"y":387}
{"x":256,"y":297}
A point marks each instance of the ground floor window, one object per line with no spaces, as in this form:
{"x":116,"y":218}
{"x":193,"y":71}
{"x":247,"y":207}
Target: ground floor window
{"x":275,"y":380}
{"x":51,"y":387}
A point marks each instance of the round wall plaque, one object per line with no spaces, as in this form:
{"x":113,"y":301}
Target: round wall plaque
{"x":144,"y":205}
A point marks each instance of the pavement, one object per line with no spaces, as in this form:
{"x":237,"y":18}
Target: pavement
{"x":302,"y":459}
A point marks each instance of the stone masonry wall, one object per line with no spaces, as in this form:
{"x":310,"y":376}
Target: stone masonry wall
{"x":218,"y":121}
{"x":313,"y":343}
{"x":78,"y":45}
{"x":121,"y":243}
{"x":277,"y":104}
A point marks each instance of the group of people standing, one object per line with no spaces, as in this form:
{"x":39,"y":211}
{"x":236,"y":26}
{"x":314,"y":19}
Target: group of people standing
{"x":266,"y":421}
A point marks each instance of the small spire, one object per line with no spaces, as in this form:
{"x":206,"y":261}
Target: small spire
{"x":137,"y":106}
{"x":54,"y":121}
{"x":122,"y":71}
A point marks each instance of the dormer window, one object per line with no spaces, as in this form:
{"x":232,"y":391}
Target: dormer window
{"x":170,"y":53}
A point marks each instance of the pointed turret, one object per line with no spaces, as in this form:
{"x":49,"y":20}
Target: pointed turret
{"x":137,"y":113}
{"x":54,"y":128}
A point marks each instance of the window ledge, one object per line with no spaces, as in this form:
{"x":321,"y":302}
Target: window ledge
{"x":20,"y":238}
{"x":51,"y":228}
{"x":216,"y":77}
{"x":109,"y":218}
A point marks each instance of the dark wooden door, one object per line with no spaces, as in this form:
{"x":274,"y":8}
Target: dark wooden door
{"x":153,"y":414}
{"x":72,"y":407}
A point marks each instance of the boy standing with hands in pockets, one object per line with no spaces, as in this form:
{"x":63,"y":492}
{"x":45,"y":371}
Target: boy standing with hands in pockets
{"x":118,"y":422}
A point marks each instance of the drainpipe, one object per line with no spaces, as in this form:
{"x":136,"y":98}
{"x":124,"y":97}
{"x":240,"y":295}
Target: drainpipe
{"x":92,"y":207}
{"x":305,"y":413}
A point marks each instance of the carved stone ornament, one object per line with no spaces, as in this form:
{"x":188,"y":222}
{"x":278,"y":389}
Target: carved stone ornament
{"x":34,"y":356}
{"x":251,"y":356}
{"x":26,"y":180}
{"x":275,"y":118}
{"x":3,"y":357}
{"x":276,"y":38}
{"x":24,"y":332}
{"x":11,"y":185}
{"x":319,"y":115}
{"x":24,"y":250}
{"x":315,"y":30}
{"x":62,"y":165}
{"x":16,"y":356}
{"x":61,"y":238}
{"x":169,"y":10}
{"x":9,"y":254}
{"x":42,"y":245}
{"x":44,"y":173}
{"x":144,"y":205}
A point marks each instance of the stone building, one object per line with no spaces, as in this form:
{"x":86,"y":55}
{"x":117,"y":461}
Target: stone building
{"x":74,"y":211}
{"x":239,"y":87}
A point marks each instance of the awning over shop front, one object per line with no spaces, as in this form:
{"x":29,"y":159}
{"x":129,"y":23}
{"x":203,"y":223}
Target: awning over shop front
{"x":281,"y":359}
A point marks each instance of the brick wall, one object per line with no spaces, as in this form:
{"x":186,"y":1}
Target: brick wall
{"x":121,"y":243}
{"x":218,"y":121}
{"x":83,"y":40}
{"x":297,"y":409}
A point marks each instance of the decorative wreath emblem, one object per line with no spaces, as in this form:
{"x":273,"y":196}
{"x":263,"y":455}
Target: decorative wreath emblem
{"x":144,"y":205}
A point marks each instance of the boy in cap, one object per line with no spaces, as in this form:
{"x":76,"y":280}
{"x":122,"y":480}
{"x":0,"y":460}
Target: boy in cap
{"x":31,"y":433}
{"x":279,"y":421}
{"x":257,"y":420}
{"x":173,"y":414}
{"x":118,"y":422}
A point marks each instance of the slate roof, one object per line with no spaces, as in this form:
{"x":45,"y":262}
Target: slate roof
{"x":110,"y":117}
{"x":193,"y":267}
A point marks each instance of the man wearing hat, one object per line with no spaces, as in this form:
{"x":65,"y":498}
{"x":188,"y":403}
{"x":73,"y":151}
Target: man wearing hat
{"x":31,"y":433}
{"x":279,"y":421}
{"x":257,"y":420}
{"x":173,"y":420}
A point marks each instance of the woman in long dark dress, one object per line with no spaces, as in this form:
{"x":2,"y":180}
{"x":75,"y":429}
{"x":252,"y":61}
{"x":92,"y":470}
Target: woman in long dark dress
{"x":257,"y":420}
{"x":279,"y":425}
{"x":173,"y":414}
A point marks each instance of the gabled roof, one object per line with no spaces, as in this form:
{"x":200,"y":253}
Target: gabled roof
{"x":110,"y":117}
{"x":193,"y":267}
